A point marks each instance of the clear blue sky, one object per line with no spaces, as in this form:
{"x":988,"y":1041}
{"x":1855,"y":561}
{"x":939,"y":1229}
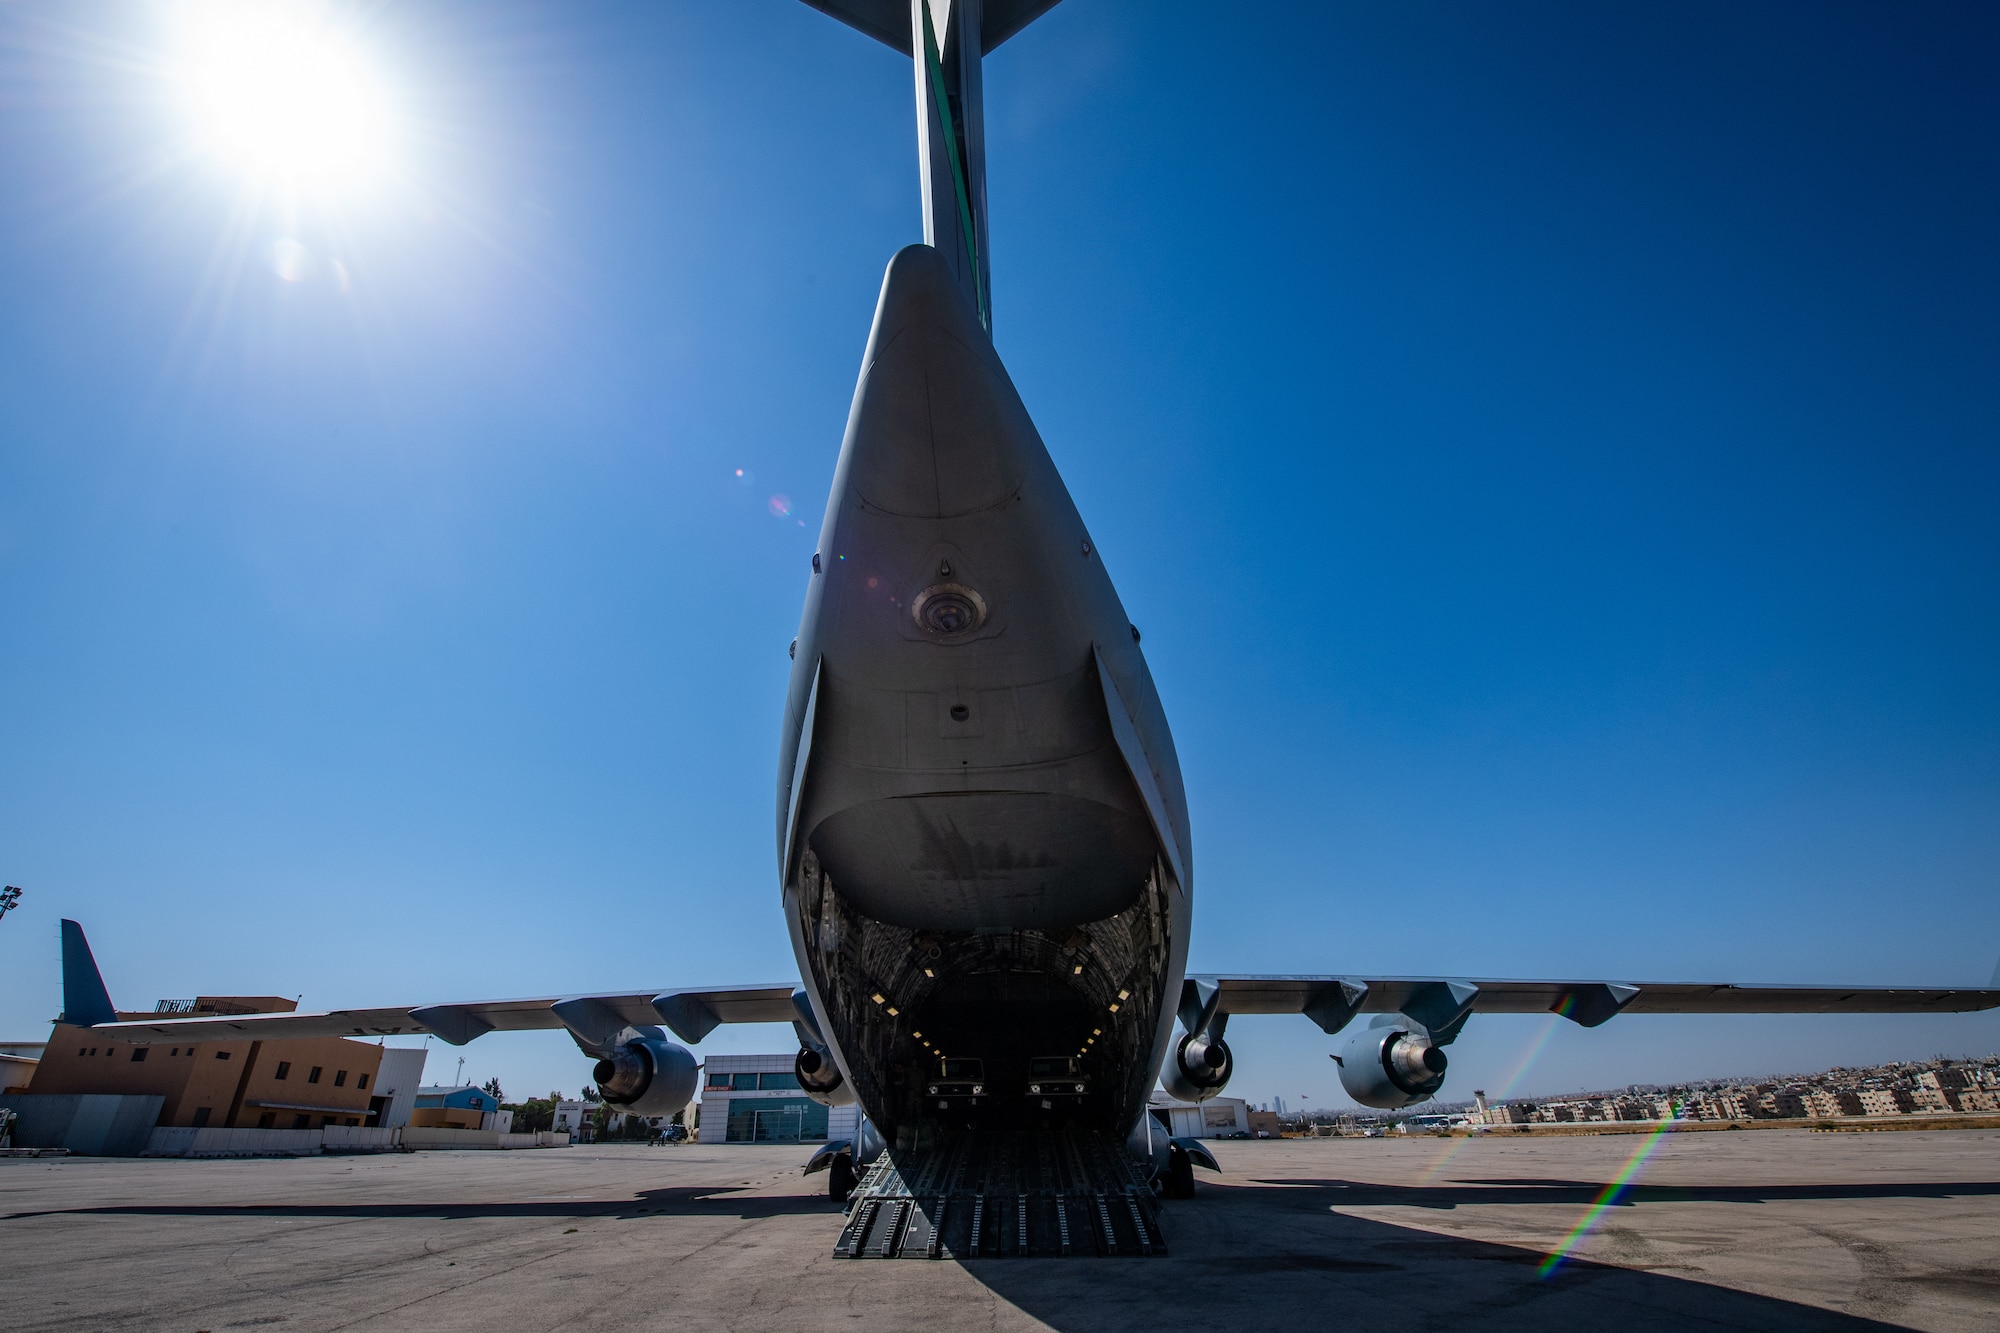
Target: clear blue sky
{"x":1550,"y":449}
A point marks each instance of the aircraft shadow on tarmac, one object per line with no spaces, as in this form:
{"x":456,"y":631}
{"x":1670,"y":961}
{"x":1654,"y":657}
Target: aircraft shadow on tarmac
{"x":1271,"y":1254}
{"x":1268,"y":1253}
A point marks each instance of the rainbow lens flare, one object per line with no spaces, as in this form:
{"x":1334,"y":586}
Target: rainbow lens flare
{"x":1607,"y":1198}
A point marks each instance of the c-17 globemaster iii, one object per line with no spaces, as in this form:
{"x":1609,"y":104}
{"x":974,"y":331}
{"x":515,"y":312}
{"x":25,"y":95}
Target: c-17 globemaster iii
{"x":984,"y":856}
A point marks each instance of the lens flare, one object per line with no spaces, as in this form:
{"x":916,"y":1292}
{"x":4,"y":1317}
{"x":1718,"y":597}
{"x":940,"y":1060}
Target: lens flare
{"x":781,"y":506}
{"x":1607,"y":1198}
{"x":291,"y":261}
{"x":1512,"y":1081}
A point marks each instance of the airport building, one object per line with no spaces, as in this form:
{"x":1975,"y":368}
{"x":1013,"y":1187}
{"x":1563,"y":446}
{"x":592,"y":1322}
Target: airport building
{"x":462,"y":1107}
{"x":757,"y":1099}
{"x":17,"y":1064}
{"x":397,"y":1081}
{"x":292,"y":1083}
{"x":1216,"y":1118}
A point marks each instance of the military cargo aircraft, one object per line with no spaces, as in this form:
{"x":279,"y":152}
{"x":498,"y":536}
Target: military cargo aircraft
{"x":983,"y":849}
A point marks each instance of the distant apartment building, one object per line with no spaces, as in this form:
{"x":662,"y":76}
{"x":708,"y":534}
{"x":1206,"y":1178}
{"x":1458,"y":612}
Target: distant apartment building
{"x":1884,"y":1101}
{"x":1827,"y":1103}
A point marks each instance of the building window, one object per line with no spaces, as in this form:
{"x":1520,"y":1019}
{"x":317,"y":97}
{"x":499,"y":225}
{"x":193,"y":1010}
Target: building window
{"x":768,"y":1082}
{"x":314,"y":1076}
{"x":175,"y":1051}
{"x":222,"y":1055}
{"x":138,"y":1054}
{"x":352,"y":1121}
{"x":284,"y":1070}
{"x":266,"y":1120}
{"x":81,"y":1051}
{"x":361,"y":1082}
{"x":200,"y":1116}
{"x":745,"y":1082}
{"x":775,"y":1120}
{"x":719,"y":1082}
{"x":302,"y":1122}
{"x":340,"y":1078}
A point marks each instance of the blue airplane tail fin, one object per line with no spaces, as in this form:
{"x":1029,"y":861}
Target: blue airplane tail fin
{"x":85,"y":1001}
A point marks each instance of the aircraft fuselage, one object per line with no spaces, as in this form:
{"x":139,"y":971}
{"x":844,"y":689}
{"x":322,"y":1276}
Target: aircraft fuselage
{"x":982,"y":830}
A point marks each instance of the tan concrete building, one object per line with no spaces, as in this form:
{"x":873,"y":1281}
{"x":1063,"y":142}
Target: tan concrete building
{"x":1884,"y":1101}
{"x":1826,"y":1103}
{"x":294,"y":1083}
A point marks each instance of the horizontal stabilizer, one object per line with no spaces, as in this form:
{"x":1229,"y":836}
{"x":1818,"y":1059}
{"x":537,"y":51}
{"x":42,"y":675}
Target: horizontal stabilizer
{"x":888,"y":21}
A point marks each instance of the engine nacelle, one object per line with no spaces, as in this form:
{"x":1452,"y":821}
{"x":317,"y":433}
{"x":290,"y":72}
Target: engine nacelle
{"x":820,"y":1077}
{"x":1391,"y":1066}
{"x":1200,"y":1069}
{"x":647,"y":1075}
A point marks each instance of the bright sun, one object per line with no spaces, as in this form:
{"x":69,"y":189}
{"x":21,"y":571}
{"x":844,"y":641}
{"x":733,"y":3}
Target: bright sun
{"x":284,"y":94}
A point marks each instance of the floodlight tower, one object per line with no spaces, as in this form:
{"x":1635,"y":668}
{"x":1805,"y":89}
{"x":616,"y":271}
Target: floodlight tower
{"x":947,"y":40}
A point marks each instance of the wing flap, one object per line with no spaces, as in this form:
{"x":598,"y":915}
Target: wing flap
{"x":460,"y":1023}
{"x":1586,"y":1002}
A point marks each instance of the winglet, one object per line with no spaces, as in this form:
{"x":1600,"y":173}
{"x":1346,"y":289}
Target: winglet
{"x":85,"y":1001}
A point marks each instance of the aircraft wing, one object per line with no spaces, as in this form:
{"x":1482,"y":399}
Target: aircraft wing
{"x":1440,"y":1003}
{"x":692,"y":1014}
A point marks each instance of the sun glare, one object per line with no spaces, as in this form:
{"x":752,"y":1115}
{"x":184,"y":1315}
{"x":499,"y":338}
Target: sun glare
{"x":284,"y":94}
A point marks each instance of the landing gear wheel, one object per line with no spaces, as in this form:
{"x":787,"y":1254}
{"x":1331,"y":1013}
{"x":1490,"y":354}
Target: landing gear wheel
{"x":1179,"y":1181}
{"x":840,"y":1180}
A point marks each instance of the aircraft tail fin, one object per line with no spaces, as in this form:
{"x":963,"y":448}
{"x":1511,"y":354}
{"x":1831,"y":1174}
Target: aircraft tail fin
{"x":888,"y":21}
{"x":85,"y":1001}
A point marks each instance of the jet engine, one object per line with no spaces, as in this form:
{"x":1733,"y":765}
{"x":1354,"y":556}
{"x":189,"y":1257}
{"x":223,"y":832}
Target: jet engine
{"x":647,"y":1075}
{"x":820,"y":1077}
{"x":1391,"y":1065}
{"x":1199,"y":1070}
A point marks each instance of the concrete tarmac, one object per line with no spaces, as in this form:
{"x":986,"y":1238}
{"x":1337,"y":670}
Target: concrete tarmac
{"x":1759,"y":1230}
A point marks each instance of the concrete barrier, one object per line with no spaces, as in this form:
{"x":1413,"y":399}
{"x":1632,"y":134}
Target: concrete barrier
{"x":183,"y":1142}
{"x":428,"y":1139}
{"x":89,"y":1124}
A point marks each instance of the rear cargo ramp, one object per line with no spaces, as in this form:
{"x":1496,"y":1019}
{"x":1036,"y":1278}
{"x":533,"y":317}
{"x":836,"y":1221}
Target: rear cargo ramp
{"x":992,"y":1194}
